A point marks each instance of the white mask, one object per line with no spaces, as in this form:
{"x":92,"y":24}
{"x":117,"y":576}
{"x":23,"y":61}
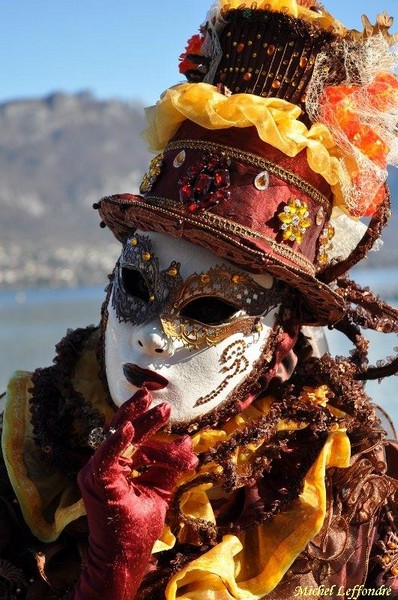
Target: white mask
{"x":184,"y":323}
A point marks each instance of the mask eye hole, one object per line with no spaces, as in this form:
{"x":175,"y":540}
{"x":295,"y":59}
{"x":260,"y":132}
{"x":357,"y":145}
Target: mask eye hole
{"x":209,"y":310}
{"x":134,"y":284}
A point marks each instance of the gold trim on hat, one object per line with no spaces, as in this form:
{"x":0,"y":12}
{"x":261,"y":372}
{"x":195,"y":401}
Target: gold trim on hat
{"x":255,"y":161}
{"x":210,"y":221}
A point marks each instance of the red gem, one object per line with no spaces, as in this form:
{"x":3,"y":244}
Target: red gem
{"x":185,"y":193}
{"x":221,"y":195}
{"x":222,"y":178}
{"x":213,"y":163}
{"x":193,"y":207}
{"x":239,"y":48}
{"x":203,"y":184}
{"x":194,"y":170}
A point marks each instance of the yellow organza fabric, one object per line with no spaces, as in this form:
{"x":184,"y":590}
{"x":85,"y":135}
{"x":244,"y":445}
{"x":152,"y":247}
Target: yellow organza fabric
{"x":276,"y":121}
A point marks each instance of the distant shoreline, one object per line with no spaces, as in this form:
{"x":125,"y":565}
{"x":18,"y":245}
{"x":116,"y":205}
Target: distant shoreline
{"x":382,"y":281}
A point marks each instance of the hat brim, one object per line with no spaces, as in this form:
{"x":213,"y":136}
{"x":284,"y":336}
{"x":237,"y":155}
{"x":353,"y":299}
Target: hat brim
{"x":123,"y":213}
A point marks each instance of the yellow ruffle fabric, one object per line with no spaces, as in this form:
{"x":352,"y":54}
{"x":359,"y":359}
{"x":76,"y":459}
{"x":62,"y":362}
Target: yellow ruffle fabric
{"x":251,"y":565}
{"x":276,"y":121}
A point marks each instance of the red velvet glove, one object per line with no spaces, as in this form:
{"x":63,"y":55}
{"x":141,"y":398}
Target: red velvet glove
{"x":126,"y":514}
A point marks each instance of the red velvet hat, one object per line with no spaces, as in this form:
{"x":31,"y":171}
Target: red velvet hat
{"x":242,"y":175}
{"x":251,"y":204}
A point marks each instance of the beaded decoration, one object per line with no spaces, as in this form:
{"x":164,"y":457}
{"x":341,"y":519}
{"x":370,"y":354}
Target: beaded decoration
{"x":261,"y":181}
{"x":140,"y":288}
{"x":152,"y":174}
{"x":237,"y":289}
{"x":325,"y":245}
{"x":205,"y":184}
{"x":232,"y":361}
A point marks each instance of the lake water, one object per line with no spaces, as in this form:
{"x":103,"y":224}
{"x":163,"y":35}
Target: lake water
{"x":33,"y":321}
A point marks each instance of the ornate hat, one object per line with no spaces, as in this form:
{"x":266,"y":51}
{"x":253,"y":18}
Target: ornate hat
{"x":275,"y":148}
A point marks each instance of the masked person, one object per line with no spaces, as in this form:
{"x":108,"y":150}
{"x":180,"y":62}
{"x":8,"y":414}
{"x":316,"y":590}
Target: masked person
{"x":194,"y":446}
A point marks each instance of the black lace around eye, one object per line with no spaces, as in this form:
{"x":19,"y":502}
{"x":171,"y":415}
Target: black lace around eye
{"x":134,"y":284}
{"x":209,"y":310}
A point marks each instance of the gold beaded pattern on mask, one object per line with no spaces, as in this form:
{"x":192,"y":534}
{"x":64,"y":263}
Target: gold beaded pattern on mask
{"x":238,"y":289}
{"x":167,"y":295}
{"x":233,"y":362}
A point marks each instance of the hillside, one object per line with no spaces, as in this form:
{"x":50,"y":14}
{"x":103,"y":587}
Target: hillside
{"x":59,"y":155}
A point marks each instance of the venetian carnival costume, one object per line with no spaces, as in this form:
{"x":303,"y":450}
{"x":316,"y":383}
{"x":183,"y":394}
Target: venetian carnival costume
{"x":271,"y":473}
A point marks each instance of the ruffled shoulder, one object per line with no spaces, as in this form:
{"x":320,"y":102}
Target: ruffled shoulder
{"x":37,"y":486}
{"x":49,"y":499}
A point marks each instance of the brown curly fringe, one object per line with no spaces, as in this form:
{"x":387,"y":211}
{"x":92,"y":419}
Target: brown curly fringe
{"x":367,"y":311}
{"x":275,"y":446}
{"x":57,"y":408}
{"x":387,"y":560}
{"x":271,"y":464}
{"x":364,"y":309}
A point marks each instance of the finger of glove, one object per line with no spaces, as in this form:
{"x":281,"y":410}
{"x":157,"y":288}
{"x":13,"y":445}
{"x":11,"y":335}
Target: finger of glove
{"x":176,"y":456}
{"x":150,"y":422}
{"x":183,"y":456}
{"x":108,"y":454}
{"x":131,"y":409}
{"x":159,"y":480}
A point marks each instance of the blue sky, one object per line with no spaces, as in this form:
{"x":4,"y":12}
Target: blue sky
{"x":120,"y":48}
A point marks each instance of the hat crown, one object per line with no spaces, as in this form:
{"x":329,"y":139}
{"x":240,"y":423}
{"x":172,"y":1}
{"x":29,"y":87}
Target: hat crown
{"x":269,"y":54}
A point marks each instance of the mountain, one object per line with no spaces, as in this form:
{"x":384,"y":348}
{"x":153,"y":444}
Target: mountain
{"x":59,"y":155}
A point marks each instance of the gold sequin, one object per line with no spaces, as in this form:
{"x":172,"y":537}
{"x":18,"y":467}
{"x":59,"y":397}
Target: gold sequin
{"x":152,"y":174}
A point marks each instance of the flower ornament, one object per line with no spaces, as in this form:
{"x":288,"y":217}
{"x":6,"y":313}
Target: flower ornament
{"x":192,"y":64}
{"x":295,"y":220}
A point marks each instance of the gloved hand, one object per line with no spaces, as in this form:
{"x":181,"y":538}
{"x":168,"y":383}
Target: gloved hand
{"x":126,"y":510}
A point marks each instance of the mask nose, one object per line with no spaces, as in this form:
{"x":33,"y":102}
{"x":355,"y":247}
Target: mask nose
{"x":151,"y":339}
